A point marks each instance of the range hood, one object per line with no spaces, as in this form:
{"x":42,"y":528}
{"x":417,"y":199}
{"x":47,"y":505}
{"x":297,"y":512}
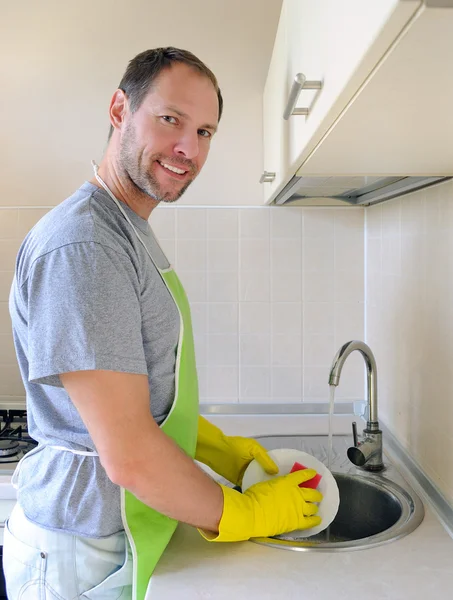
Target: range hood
{"x":357,"y":191}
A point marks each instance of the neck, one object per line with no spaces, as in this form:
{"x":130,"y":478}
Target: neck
{"x":124,"y":189}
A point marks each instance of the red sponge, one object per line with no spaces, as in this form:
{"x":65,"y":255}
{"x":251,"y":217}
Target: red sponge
{"x":311,"y":483}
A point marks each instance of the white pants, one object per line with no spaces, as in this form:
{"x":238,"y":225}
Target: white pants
{"x":47,"y":565}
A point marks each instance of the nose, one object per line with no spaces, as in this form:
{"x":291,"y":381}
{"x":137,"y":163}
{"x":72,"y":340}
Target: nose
{"x":187,"y":145}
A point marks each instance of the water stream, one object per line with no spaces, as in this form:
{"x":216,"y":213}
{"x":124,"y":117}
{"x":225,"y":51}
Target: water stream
{"x":330,"y":440}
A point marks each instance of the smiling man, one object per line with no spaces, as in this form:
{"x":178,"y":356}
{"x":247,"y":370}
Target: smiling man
{"x":104,"y":342}
{"x":160,"y":141}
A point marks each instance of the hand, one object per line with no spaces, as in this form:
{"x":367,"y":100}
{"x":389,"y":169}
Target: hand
{"x":229,"y":456}
{"x":242,"y":451}
{"x":268,"y":508}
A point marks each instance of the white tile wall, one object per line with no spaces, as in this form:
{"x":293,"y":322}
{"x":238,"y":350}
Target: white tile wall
{"x":409,"y":287}
{"x":274,"y":293}
{"x":282,"y":289}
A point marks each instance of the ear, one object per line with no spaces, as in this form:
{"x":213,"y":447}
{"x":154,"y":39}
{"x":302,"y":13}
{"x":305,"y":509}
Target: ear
{"x":118,"y":109}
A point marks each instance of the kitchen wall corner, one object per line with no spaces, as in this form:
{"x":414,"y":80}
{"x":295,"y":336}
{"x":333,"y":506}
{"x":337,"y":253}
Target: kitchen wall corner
{"x":409,"y":323}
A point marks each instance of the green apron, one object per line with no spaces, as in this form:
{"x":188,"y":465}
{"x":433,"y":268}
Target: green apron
{"x":147,"y":530}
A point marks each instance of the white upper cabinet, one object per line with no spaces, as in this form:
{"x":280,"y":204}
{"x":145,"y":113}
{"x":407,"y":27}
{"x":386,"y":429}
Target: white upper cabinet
{"x":275,"y":129}
{"x":400,"y":121}
{"x":327,"y":40}
{"x":341,"y":45}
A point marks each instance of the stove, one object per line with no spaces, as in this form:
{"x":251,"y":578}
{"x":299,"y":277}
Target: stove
{"x":14,"y":444}
{"x":14,"y":439}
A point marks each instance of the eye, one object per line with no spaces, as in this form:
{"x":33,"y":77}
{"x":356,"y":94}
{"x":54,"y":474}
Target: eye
{"x":169,"y":119}
{"x":205,"y":133}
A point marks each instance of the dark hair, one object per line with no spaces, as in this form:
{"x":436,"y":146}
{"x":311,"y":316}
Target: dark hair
{"x":143,"y":69}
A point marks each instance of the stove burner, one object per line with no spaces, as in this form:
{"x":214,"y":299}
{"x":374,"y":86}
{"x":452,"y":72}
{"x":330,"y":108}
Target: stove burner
{"x":9,"y":448}
{"x":14,"y":439}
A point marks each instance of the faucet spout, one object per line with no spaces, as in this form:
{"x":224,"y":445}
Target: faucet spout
{"x":370,"y":362}
{"x":367,"y":453}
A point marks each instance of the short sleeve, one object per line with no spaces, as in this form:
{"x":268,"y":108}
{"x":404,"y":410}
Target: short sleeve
{"x":83,"y":302}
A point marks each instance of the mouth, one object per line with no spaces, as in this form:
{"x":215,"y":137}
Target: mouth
{"x":173,"y":171}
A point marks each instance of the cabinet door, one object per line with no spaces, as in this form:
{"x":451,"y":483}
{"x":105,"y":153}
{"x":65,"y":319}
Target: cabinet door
{"x":338,"y":43}
{"x":275,"y":129}
{"x":400,"y":122}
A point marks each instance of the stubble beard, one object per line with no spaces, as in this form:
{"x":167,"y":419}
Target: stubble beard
{"x":140,"y":174}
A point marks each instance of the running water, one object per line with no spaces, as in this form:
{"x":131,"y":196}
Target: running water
{"x":330,"y":443}
{"x":331,"y":407}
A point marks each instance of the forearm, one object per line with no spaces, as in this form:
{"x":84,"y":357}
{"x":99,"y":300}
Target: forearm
{"x":136,"y":453}
{"x":162,"y":476}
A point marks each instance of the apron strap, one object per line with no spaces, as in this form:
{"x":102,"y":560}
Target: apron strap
{"x":39,"y":447}
{"x":79,"y":452}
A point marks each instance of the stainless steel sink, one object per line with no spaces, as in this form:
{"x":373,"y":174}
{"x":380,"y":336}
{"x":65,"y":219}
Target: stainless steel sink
{"x":375,"y":508}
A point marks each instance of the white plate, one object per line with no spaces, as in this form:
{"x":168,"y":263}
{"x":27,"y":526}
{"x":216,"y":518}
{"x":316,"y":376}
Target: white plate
{"x":285,"y":459}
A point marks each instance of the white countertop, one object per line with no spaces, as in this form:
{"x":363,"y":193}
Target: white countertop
{"x":416,"y":567}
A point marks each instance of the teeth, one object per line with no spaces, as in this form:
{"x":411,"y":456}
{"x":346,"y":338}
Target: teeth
{"x":171,"y":168}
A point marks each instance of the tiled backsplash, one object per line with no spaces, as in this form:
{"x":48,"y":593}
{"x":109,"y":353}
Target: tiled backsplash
{"x":274,"y":293}
{"x":410,"y":323}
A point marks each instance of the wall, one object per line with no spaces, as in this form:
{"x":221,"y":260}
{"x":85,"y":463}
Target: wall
{"x":60,"y":63}
{"x":274,"y":293}
{"x":409,"y":298}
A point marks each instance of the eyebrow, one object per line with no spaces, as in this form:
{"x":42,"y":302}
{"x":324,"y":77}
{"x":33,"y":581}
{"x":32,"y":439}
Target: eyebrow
{"x":185,"y":116}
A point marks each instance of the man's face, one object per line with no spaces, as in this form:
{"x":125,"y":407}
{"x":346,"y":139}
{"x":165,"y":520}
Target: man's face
{"x":172,"y":128}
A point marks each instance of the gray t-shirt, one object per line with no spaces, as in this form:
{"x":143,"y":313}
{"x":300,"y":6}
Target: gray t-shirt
{"x":86,"y":296}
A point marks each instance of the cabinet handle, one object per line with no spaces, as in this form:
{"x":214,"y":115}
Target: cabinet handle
{"x":267,"y":177}
{"x":300,"y":83}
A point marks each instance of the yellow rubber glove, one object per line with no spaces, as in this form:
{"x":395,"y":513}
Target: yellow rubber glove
{"x":229,"y":456}
{"x":267,"y":508}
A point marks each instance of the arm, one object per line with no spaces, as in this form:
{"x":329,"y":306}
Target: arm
{"x":136,"y":453}
{"x":96,"y":286}
{"x":138,"y":456}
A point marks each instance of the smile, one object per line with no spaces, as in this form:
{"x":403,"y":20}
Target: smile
{"x":172,"y":168}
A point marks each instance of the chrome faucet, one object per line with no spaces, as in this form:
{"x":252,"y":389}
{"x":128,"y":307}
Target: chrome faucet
{"x":368,"y":452}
